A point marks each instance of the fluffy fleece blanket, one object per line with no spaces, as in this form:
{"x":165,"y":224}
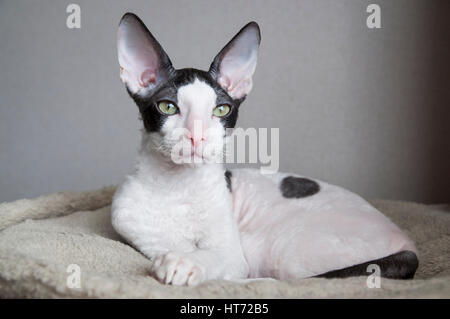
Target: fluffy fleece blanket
{"x":40,"y":238}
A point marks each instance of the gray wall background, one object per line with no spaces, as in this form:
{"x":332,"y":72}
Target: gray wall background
{"x":365,"y":109}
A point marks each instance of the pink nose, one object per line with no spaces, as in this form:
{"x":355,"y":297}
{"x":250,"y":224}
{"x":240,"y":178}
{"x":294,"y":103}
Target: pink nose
{"x":196,"y":141}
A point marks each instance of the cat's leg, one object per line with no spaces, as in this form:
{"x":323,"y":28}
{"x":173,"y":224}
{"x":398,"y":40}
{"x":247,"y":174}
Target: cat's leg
{"x":191,"y":268}
{"x":172,"y":265}
{"x":179,"y":256}
{"x":177,"y":269}
{"x":218,"y":255}
{"x":184,"y":263}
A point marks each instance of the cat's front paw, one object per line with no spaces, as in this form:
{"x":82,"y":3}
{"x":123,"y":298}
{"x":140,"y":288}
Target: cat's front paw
{"x":175,"y":269}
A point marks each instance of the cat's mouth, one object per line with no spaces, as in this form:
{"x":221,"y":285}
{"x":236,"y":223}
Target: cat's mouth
{"x":197,"y":154}
{"x":180,"y":150}
{"x":197,"y":151}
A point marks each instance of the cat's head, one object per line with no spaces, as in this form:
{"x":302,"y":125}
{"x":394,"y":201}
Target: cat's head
{"x":186,"y":106}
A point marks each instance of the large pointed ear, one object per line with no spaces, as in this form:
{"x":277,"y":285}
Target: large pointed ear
{"x":235,"y":64}
{"x":143,"y":62}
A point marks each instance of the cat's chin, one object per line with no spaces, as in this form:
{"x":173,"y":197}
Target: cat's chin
{"x":193,"y":161}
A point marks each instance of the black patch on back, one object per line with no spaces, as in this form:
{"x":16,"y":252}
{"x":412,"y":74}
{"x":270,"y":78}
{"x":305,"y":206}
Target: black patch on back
{"x":298,"y":187}
{"x":402,"y":265}
{"x":228,"y":175}
{"x":153,"y":119}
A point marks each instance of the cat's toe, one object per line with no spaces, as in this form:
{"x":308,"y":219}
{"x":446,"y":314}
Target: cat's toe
{"x":195,"y":277}
{"x":159,"y":269}
{"x":176,"y":270}
{"x":188,"y":274}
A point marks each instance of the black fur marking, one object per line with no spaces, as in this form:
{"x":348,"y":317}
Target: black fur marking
{"x":402,"y":265}
{"x":154,"y":120}
{"x":298,"y":187}
{"x":228,"y":175}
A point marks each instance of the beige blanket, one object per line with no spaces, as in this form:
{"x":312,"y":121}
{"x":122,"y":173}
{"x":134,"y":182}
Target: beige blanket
{"x":45,"y":243}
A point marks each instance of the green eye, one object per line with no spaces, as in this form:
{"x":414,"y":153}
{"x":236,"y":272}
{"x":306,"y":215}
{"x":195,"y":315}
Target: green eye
{"x":167,"y":107}
{"x":221,"y":110}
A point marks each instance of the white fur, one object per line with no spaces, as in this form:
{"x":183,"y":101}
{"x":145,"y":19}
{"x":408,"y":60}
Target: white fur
{"x":185,"y":211}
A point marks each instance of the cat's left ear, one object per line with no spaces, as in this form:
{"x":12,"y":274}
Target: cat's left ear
{"x":235,"y":64}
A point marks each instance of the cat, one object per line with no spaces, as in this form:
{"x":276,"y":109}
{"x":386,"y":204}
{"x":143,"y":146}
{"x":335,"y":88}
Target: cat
{"x":198,"y":221}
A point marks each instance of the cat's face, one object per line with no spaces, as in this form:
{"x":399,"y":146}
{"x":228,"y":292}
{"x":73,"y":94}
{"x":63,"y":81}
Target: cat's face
{"x":186,"y":112}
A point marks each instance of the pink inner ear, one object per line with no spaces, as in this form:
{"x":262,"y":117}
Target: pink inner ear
{"x":147,"y":78}
{"x":225,"y":83}
{"x":236,"y":73}
{"x":137,"y":58}
{"x":238,"y":64}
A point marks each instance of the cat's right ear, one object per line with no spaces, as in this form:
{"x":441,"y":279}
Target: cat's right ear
{"x":235,"y":64}
{"x":143,"y":62}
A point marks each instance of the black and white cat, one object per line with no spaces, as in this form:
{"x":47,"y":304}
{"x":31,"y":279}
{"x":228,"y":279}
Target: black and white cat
{"x":199,"y":222}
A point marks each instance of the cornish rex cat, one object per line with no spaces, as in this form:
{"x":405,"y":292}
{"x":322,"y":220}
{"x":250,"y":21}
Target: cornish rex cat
{"x":197,"y":221}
